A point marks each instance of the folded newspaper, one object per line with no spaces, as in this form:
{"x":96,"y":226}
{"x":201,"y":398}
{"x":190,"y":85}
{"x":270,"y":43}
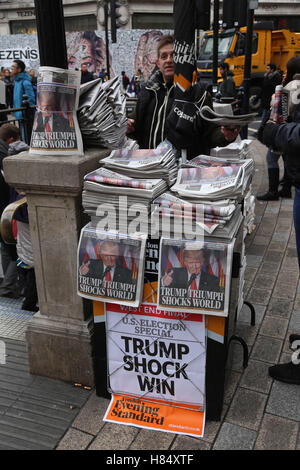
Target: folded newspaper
{"x":55,"y":127}
{"x":235,"y":150}
{"x":214,"y":181}
{"x":207,"y":217}
{"x":160,"y":162}
{"x":195,"y":276}
{"x":110,"y":266}
{"x":102,"y":114}
{"x":209,"y":114}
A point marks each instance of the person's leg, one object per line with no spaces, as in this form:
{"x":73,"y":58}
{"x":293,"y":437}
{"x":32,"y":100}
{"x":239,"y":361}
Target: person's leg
{"x":290,"y":372}
{"x":286,"y":189}
{"x":273,"y":175}
{"x":9,"y":285}
{"x":30,"y":291}
{"x":296,"y":215}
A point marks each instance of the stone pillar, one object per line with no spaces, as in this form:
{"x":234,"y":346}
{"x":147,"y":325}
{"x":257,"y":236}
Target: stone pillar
{"x":59,"y":335}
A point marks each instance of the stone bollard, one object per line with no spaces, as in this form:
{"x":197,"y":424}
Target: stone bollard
{"x":59,"y":337}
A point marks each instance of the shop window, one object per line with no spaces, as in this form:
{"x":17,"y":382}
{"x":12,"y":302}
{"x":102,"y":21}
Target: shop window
{"x":152,"y":21}
{"x":72,"y":23}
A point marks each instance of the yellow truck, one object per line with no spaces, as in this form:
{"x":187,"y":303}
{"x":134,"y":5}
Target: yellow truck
{"x":268,"y":45}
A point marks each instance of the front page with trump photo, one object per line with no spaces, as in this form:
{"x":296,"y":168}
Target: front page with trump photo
{"x":110,"y":266}
{"x":194,"y":276}
{"x":55,"y":127}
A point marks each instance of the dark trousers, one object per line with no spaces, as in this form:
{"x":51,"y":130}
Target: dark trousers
{"x":296,"y":214}
{"x":9,"y":284}
{"x":27,"y":280}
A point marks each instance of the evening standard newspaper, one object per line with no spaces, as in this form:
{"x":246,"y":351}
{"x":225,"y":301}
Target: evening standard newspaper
{"x":195,"y":276}
{"x":55,"y":128}
{"x":110,"y":266}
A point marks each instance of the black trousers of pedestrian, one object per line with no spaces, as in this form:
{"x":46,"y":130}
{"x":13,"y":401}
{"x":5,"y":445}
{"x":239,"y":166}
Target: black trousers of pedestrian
{"x":27,"y":280}
{"x":9,"y":256}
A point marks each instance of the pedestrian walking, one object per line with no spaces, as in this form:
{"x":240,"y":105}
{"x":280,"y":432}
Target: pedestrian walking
{"x":9,"y":133}
{"x":25,"y":259}
{"x":22,"y":86}
{"x":227,"y":86}
{"x":86,"y":76}
{"x":286,"y":138}
{"x":125,"y":81}
{"x":291,"y":83}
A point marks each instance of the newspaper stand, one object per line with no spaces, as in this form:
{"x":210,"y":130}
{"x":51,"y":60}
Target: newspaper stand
{"x":218,"y":350}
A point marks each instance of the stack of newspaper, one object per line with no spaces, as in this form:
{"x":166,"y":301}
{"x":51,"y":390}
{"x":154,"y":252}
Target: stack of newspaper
{"x":140,"y":163}
{"x":102,"y":114}
{"x":214,"y":178}
{"x":206,"y":216}
{"x":234,"y":151}
{"x":112,"y":196}
{"x":207,"y":193}
{"x":249,"y":211}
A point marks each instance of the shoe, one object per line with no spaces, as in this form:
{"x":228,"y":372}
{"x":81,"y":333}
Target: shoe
{"x":288,"y":373}
{"x":285,"y":193}
{"x":292,"y":339}
{"x":29,"y":307}
{"x":269,"y":196}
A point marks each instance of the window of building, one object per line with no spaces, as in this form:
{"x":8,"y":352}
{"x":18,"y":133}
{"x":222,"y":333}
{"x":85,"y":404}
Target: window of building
{"x":80,"y":23}
{"x":283,"y":22}
{"x":152,"y":21}
{"x":23,"y":27}
{"x":72,"y":23}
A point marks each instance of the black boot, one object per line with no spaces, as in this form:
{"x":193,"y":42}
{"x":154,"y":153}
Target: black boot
{"x":272,"y":194}
{"x":289,"y":373}
{"x":292,"y":340}
{"x":286,"y":182}
{"x":285,"y":193}
{"x":286,"y":190}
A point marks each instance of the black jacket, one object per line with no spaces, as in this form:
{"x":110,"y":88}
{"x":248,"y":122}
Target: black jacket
{"x":86,"y":77}
{"x":286,"y":138}
{"x":154,"y":104}
{"x":4,"y":188}
{"x":227,"y":86}
{"x":269,"y":84}
{"x":60,"y":124}
{"x":121,"y":273}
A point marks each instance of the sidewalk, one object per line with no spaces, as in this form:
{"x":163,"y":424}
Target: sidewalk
{"x":258,"y":413}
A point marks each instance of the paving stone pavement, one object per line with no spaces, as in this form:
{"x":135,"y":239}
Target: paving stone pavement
{"x":258,"y":413}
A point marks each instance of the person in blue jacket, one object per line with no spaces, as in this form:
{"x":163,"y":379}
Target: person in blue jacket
{"x":22,"y":86}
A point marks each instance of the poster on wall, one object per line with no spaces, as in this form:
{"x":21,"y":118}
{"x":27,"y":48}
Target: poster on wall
{"x":135,"y":49}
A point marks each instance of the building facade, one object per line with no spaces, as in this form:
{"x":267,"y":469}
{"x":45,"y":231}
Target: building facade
{"x":18,"y":16}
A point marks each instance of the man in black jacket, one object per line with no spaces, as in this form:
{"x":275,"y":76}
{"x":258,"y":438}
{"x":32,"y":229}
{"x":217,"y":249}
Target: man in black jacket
{"x":272,"y":78}
{"x":286,"y":138}
{"x":9,"y":133}
{"x":155,"y":102}
{"x":86,"y":76}
{"x":227,"y":86}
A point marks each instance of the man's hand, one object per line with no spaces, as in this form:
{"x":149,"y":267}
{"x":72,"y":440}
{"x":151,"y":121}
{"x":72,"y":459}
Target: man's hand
{"x":130,"y":126}
{"x":84,"y":268}
{"x":168,"y":278}
{"x":230,"y":133}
